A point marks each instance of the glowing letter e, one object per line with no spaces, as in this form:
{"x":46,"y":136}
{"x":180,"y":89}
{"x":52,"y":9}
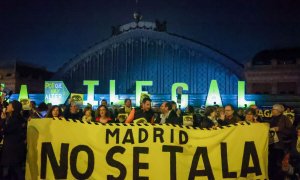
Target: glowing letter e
{"x":213,"y":96}
{"x":91,"y":91}
{"x":241,"y":95}
{"x":139,"y":90}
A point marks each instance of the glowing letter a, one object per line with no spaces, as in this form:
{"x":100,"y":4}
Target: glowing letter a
{"x":213,"y":96}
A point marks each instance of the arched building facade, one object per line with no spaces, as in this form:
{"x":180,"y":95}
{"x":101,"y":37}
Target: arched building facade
{"x":145,"y":51}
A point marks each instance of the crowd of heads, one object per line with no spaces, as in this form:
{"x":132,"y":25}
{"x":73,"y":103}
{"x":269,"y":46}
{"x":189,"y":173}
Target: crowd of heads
{"x":210,"y":117}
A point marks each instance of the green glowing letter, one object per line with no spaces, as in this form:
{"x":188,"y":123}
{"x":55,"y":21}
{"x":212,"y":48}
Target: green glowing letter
{"x":91,"y":90}
{"x":2,"y":86}
{"x":213,"y":96}
{"x":184,"y":98}
{"x":23,"y":92}
{"x":112,"y":93}
{"x":139,"y":90}
{"x":241,"y":95}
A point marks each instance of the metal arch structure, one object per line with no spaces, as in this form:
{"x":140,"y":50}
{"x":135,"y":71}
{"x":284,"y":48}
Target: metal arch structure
{"x":146,"y":54}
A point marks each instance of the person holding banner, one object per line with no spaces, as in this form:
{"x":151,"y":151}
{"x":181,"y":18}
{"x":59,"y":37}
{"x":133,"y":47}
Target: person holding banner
{"x":175,"y":109}
{"x":88,"y":114}
{"x":103,"y":115}
{"x":221,"y":116}
{"x":13,"y":154}
{"x":167,"y":115}
{"x":55,"y":112}
{"x":189,"y":118}
{"x":257,"y":117}
{"x":112,"y":110}
{"x":230,"y":116}
{"x":124,"y":111}
{"x":73,"y":112}
{"x":210,"y":120}
{"x":127,"y":107}
{"x":144,"y":112}
{"x":250,"y":116}
{"x":40,"y":112}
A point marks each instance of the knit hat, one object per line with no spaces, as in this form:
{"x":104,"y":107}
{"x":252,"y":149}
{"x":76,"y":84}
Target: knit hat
{"x":17,"y":106}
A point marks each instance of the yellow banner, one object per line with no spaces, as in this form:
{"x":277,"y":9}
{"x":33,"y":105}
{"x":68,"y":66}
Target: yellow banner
{"x":61,"y":149}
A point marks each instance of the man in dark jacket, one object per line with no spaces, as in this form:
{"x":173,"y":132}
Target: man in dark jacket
{"x":73,"y":112}
{"x":167,"y":114}
{"x":230,"y":116}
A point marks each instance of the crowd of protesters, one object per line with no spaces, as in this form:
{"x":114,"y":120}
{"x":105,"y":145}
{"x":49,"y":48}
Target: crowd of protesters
{"x":284,"y":154}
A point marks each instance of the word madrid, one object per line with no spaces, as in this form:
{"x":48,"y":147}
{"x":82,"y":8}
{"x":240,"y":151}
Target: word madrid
{"x":57,"y":93}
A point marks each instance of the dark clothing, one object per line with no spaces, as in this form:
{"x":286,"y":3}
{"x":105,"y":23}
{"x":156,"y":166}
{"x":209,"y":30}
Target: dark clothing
{"x":259,"y":119}
{"x":139,"y":113}
{"x":172,"y":118}
{"x":285,"y":133}
{"x":241,"y":117}
{"x":206,"y":123}
{"x":294,"y":160}
{"x":278,"y":150}
{"x":234,"y":119}
{"x":77,"y":115}
{"x":69,"y":115}
{"x":222,"y":123}
{"x":13,"y":172}
{"x":14,"y":142}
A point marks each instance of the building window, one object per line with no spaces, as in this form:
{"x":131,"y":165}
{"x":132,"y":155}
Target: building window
{"x":286,"y":87}
{"x":262,"y":62}
{"x":287,"y":61}
{"x":261,"y":88}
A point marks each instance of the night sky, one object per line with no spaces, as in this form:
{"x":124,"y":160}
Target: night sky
{"x":50,"y":32}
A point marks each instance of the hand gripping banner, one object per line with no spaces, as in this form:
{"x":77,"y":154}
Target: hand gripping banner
{"x":71,"y":149}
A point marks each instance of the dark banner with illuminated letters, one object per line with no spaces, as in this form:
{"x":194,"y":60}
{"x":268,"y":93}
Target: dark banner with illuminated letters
{"x":61,"y":149}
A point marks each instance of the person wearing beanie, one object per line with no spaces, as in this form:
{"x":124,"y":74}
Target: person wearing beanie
{"x":13,"y":154}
